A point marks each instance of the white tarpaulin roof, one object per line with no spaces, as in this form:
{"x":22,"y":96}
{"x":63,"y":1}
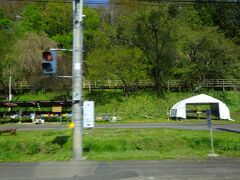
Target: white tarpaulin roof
{"x":179,"y":109}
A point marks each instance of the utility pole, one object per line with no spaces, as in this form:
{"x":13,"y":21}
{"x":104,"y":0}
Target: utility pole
{"x":77,"y":111}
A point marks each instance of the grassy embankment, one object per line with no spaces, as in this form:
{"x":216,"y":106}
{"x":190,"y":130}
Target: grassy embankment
{"x":142,"y":106}
{"x":118,"y":144}
{"x":147,"y":106}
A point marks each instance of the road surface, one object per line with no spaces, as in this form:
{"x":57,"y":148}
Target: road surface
{"x":213,"y":169}
{"x":48,"y":126}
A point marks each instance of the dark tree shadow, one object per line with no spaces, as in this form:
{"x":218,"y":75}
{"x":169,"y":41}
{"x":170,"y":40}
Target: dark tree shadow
{"x":60,"y":140}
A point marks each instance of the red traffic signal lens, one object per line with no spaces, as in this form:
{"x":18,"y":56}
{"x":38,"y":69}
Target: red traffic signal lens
{"x":47,"y":56}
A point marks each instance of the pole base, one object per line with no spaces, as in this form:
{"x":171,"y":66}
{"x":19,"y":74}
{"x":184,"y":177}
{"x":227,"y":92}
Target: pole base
{"x":213,"y":155}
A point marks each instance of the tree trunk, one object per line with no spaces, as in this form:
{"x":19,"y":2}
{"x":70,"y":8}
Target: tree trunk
{"x":158,"y":81}
{"x":125,"y":90}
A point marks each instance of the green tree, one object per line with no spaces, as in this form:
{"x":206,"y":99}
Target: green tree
{"x":214,"y":55}
{"x":118,"y":63}
{"x":6,"y":41}
{"x":114,"y":60}
{"x":228,"y":19}
{"x":59,"y":26}
{"x":92,"y":25}
{"x":226,"y":16}
{"x":152,"y":29}
{"x":205,"y":52}
{"x":31,"y":20}
{"x":58,"y":23}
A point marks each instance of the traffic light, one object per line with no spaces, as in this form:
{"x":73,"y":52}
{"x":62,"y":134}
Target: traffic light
{"x":49,"y":63}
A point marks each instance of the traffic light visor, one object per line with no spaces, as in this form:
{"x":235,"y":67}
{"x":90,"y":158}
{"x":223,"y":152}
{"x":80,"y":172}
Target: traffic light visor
{"x":47,"y":56}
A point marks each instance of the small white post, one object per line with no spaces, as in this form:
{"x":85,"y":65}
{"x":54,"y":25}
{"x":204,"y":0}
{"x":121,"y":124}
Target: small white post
{"x":209,"y":122}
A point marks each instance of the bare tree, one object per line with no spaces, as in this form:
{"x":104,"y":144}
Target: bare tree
{"x":25,"y":56}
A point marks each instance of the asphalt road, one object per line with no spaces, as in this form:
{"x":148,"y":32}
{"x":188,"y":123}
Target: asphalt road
{"x":48,"y":126}
{"x":213,"y":169}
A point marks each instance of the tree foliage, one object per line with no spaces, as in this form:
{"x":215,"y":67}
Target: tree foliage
{"x":58,"y":25}
{"x":226,"y":16}
{"x":113,"y":59}
{"x":31,"y":20}
{"x":152,"y":31}
{"x":139,"y":42}
{"x":206,"y":53}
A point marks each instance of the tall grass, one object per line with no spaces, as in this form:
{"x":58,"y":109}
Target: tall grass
{"x":148,"y":105}
{"x":36,"y":146}
{"x":40,"y":96}
{"x":158,"y":144}
{"x":118,"y":144}
{"x":140,"y":105}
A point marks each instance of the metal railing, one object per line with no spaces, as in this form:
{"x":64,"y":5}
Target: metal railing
{"x":117,"y":84}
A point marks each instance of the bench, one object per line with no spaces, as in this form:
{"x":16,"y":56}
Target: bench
{"x":11,"y":131}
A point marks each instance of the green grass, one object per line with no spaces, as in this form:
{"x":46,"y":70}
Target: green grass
{"x":147,"y":106}
{"x":143,"y":106}
{"x":36,"y":146}
{"x":40,"y":96}
{"x":117,"y":144}
{"x":146,"y":144}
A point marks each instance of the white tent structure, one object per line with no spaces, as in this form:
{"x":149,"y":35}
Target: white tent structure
{"x":218,"y":108}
